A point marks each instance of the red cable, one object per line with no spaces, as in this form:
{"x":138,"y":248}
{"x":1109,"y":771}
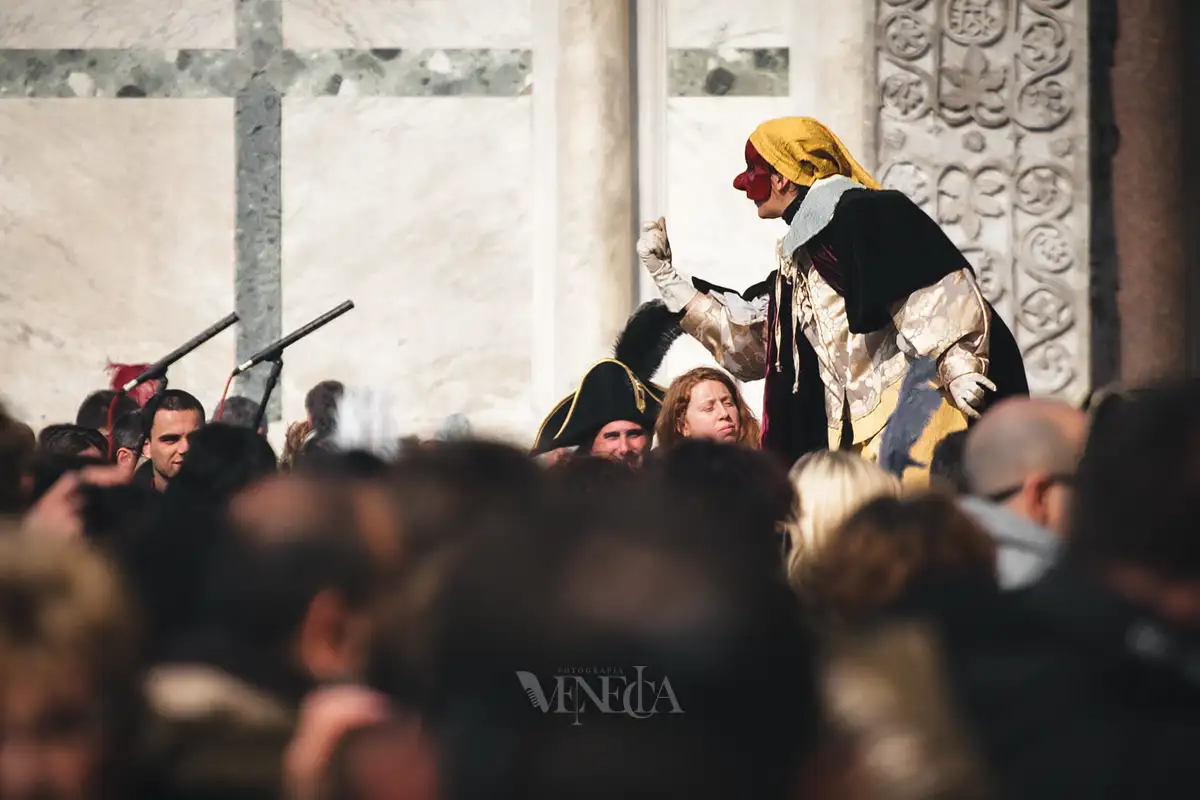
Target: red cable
{"x":112,"y":407}
{"x":224,"y":394}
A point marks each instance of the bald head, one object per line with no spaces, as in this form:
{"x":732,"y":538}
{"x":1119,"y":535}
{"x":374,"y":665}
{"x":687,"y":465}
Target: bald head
{"x":1020,"y":437}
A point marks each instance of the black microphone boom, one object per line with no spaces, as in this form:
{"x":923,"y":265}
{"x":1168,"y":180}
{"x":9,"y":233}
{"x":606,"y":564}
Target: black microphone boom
{"x":159,"y":369}
{"x":273,"y":351}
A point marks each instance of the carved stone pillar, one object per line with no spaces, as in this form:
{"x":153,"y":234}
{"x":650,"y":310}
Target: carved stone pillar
{"x":1149,"y":188}
{"x":982,"y":118}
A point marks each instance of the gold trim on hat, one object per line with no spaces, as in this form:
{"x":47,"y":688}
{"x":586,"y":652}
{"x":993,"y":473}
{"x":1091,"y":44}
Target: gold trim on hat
{"x":639,"y":389}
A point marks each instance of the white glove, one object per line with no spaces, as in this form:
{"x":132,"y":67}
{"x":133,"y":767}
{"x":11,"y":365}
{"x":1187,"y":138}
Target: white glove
{"x":967,"y":392}
{"x":654,"y":250}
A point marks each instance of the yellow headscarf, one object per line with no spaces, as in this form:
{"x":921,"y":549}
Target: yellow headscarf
{"x":805,"y":151}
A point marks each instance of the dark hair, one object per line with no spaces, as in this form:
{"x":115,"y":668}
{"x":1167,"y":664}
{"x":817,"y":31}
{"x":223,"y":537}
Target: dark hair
{"x":222,"y":459}
{"x":17,"y":446}
{"x":260,"y":587}
{"x":547,"y":597}
{"x":242,"y":412}
{"x":321,"y":405}
{"x":126,"y":433}
{"x":1137,"y":489}
{"x":170,"y":400}
{"x":581,"y":476}
{"x":946,"y":465}
{"x":748,"y":489}
{"x":93,"y":412}
{"x":71,"y":440}
{"x":48,"y":468}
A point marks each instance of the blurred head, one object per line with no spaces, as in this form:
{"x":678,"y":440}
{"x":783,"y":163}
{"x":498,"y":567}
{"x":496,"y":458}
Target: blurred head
{"x":126,"y":437}
{"x":704,"y":403}
{"x":93,"y":413}
{"x":66,"y":671}
{"x":296,"y":581}
{"x":830,"y":485}
{"x":1137,"y":497}
{"x":17,"y":447}
{"x":891,"y":546}
{"x":1023,"y":455}
{"x":242,"y":412}
{"x":744,"y":492}
{"x":585,"y":476}
{"x":167,"y":421}
{"x":221,"y":461}
{"x":72,"y":440}
{"x":623,"y":582}
{"x":321,"y":406}
{"x":621,"y":440}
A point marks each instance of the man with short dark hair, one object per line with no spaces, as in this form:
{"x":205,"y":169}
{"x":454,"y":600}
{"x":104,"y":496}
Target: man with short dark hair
{"x":321,"y":406}
{"x":72,"y":440}
{"x":126,"y":439}
{"x":93,"y":412}
{"x":241,"y":412}
{"x":167,"y":419}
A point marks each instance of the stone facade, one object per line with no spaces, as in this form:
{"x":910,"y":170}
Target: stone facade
{"x":982,"y":110}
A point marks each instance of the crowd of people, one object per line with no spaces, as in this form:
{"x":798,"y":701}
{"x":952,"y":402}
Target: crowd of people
{"x":663,"y":611}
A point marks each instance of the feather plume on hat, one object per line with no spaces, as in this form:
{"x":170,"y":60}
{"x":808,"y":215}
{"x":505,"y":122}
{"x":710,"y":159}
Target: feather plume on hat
{"x":918,"y":402}
{"x":649,"y":333}
{"x":121,"y":374}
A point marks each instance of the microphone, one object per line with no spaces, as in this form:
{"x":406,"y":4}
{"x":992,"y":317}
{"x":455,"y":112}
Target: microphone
{"x":274,"y":350}
{"x":159,"y":369}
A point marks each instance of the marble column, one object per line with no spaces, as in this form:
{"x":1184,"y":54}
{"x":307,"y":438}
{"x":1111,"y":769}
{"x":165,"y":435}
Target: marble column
{"x":1149,"y":188}
{"x":583,"y":176}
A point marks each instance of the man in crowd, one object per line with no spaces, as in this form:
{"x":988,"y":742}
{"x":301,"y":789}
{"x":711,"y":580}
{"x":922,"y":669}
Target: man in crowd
{"x":612,"y":413}
{"x":241,"y":412}
{"x":126,"y":438}
{"x":72,"y":440}
{"x":93,"y":412}
{"x":167,"y":419}
{"x":1085,"y":683}
{"x":1020,"y":463}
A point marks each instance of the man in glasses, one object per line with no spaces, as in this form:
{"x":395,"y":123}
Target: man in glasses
{"x":1020,"y":462}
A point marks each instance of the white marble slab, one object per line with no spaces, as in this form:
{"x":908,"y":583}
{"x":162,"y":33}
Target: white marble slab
{"x":418,"y":209}
{"x":728,"y":23}
{"x":116,"y":242}
{"x":715,"y":231}
{"x":407,"y":23}
{"x":166,"y":24}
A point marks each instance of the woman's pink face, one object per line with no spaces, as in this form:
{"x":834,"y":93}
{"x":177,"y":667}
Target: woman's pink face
{"x":712,"y":413}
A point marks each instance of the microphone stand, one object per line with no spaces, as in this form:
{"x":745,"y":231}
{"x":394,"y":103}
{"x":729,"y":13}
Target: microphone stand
{"x":274,"y":354}
{"x":272,"y":381}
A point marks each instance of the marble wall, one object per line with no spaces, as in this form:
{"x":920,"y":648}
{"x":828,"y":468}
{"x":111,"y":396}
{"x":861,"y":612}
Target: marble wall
{"x":464,"y":171}
{"x":109,"y":263}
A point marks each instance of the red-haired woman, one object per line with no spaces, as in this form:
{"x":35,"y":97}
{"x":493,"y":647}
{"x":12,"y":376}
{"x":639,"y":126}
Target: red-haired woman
{"x":705,"y":403}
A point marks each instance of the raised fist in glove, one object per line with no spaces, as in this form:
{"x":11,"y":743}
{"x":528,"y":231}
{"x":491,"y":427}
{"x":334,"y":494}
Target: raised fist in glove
{"x":967,"y":392}
{"x":654,"y":250}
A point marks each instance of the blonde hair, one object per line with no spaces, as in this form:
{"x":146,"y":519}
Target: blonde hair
{"x":669,"y":427}
{"x":830,"y":486}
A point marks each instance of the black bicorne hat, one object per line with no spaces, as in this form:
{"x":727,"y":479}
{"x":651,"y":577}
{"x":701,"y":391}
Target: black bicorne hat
{"x":617,"y":388}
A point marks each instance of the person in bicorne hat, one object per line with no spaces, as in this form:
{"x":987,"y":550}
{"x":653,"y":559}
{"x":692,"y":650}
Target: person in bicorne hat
{"x":866,"y":283}
{"x":612,"y":413}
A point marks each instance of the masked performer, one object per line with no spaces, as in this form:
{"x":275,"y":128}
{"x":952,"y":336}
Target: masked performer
{"x":612,"y":413}
{"x":866,"y":284}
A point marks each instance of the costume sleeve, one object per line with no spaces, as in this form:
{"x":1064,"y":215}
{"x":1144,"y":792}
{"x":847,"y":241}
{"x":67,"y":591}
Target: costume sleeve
{"x":733,"y":329}
{"x":949,"y":322}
